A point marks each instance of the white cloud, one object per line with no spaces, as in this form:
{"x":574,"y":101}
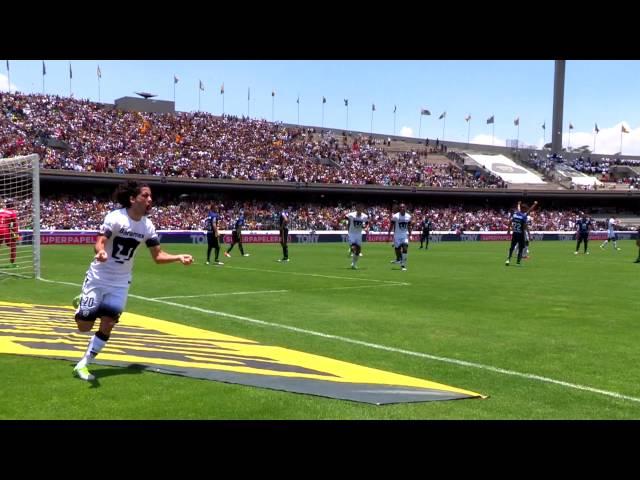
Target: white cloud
{"x":489,"y":140}
{"x":406,"y":132}
{"x":4,"y":84}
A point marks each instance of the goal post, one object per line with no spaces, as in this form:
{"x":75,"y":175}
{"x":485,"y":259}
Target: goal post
{"x":20,"y":216}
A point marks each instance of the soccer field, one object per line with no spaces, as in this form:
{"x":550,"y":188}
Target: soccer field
{"x":554,"y":339}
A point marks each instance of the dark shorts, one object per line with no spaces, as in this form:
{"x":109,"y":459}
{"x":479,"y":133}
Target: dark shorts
{"x":235,"y":238}
{"x":212,"y":241}
{"x":284,"y":235}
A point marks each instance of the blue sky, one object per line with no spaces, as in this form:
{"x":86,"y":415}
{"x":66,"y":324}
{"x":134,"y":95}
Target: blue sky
{"x":602,"y":92}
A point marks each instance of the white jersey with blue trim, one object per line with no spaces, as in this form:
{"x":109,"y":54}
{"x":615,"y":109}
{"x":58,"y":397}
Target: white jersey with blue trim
{"x":124,"y":235}
{"x":612,"y":226}
{"x":356,"y":223}
{"x":401,"y":224}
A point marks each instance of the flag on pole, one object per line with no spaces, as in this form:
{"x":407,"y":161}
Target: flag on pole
{"x":7,"y":65}
{"x":346,"y":102}
{"x":597,"y":129}
{"x":424,"y":111}
{"x":373,"y":107}
{"x":273,"y":93}
{"x":99,"y":72}
{"x":175,"y":79}
{"x":570,"y":126}
{"x":395,"y":108}
{"x":222,"y":89}
{"x":516,"y":121}
{"x":70,"y":71}
{"x":491,"y":119}
{"x":324,"y":100}
{"x":624,"y":129}
{"x":544,"y":126}
{"x":248,"y":93}
{"x":298,"y":100}
{"x":444,"y":114}
{"x":44,"y":68}
{"x":467,"y":118}
{"x":201,"y":86}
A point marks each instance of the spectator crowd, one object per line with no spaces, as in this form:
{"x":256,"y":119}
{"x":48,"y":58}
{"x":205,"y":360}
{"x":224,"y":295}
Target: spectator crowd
{"x":84,"y":136}
{"x":79,"y":213}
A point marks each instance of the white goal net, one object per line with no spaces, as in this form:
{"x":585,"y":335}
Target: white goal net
{"x":20,"y":216}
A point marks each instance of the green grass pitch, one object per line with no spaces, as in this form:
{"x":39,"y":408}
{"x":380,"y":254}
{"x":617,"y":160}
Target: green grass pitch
{"x":554,"y":339}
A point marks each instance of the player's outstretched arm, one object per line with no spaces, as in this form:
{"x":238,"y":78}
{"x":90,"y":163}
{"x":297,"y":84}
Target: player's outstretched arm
{"x":160,"y":256}
{"x":99,"y":247}
{"x":531,"y":208}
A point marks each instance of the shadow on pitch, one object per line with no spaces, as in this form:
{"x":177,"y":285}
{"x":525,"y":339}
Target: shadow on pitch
{"x":101,"y":373}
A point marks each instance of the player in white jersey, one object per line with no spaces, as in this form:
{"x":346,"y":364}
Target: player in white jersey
{"x":106,"y":285}
{"x":401,"y":226}
{"x":357,"y":221}
{"x":611,"y":233}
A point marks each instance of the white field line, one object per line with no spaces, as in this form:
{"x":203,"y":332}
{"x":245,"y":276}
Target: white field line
{"x":454,"y":361}
{"x":389,"y":282}
{"x":257,"y":292}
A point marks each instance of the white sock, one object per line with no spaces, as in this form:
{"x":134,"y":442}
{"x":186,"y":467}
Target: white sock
{"x":404,"y":259}
{"x":95,"y":346}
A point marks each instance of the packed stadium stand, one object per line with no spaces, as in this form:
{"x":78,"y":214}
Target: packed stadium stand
{"x":86,"y":147}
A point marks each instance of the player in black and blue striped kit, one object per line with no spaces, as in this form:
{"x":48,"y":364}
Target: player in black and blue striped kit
{"x":211,"y":227}
{"x":284,"y":234}
{"x":236,"y":236}
{"x":583,"y":225}
{"x":518,"y":225}
{"x":426,"y":229}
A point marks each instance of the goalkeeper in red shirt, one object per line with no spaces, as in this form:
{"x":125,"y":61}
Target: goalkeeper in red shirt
{"x":9,"y":229}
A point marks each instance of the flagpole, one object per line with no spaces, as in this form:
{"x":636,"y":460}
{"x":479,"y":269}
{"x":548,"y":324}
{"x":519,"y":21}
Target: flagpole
{"x":620,"y":140}
{"x":518,"y":137}
{"x":347,"y":127}
{"x":468,"y":132}
{"x":298,"y":102}
{"x":248,"y":101}
{"x":9,"y":76}
{"x":43,"y":74}
{"x":444,"y":124}
{"x":174,"y":91}
{"x":394,"y":122}
{"x":199,"y":91}
{"x":322,"y":124}
{"x":544,"y":135}
{"x":223,"y":103}
{"x":372,"y":121}
{"x":70,"y":75}
{"x":493,"y":130}
{"x":594,"y":141}
{"x":420,"y":126}
{"x":273,"y":103}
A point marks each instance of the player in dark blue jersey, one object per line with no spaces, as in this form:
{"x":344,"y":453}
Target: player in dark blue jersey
{"x":518,"y":225}
{"x":425,"y":227}
{"x":638,"y":244}
{"x":284,"y":233}
{"x":583,"y":226}
{"x":211,"y":227}
{"x":236,"y":236}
